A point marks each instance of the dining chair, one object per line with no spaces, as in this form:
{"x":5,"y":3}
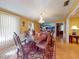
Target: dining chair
{"x":22,"y":50}
{"x":49,"y":52}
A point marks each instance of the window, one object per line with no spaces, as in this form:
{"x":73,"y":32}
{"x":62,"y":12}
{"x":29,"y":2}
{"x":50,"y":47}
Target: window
{"x":8,"y":25}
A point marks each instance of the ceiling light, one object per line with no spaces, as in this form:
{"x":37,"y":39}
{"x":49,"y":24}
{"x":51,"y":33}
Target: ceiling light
{"x":41,"y":20}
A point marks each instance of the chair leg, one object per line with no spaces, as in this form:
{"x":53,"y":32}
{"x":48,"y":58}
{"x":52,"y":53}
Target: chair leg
{"x":19,"y":56}
{"x":25,"y":56}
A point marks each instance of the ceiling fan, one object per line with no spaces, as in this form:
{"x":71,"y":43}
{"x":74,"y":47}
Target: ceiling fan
{"x":66,"y":2}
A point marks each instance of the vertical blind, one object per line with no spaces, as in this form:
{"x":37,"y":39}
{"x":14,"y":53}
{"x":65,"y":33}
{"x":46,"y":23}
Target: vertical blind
{"x":8,"y":24}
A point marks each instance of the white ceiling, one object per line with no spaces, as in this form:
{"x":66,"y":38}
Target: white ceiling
{"x":51,"y":9}
{"x":76,"y":14}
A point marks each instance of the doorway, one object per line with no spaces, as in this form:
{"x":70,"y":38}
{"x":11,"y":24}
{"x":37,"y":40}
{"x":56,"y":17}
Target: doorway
{"x":60,"y":30}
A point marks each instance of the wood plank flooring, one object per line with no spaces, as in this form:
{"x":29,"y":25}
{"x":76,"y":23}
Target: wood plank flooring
{"x":63,"y":51}
{"x":67,"y":51}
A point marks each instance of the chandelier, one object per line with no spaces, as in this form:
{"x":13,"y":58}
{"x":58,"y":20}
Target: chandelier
{"x":41,"y":20}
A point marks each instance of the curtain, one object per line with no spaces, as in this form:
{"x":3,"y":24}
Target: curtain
{"x":8,"y":24}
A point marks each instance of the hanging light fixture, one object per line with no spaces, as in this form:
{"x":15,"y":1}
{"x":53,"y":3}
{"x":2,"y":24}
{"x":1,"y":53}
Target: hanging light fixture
{"x":41,"y":20}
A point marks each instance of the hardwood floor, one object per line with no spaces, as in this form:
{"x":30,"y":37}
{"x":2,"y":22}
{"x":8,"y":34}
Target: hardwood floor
{"x":63,"y":51}
{"x":67,"y":51}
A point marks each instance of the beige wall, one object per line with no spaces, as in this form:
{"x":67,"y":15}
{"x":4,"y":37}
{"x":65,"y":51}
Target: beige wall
{"x":25,"y":19}
{"x":25,"y":28}
{"x":74,"y":21}
{"x":57,"y":21}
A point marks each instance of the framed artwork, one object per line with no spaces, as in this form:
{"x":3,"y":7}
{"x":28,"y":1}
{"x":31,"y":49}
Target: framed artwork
{"x":31,"y":25}
{"x":23,"y":23}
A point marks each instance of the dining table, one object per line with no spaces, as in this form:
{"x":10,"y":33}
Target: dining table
{"x":73,"y":36}
{"x":41,"y":45}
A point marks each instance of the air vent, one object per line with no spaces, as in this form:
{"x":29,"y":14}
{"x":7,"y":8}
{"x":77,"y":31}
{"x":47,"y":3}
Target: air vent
{"x":66,"y":2}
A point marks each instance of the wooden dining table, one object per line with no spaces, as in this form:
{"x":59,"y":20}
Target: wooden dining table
{"x":41,"y":45}
{"x":73,"y":36}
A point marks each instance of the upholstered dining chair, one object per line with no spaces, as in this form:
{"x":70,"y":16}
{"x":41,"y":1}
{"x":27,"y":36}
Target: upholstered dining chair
{"x":49,"y":52}
{"x":22,"y":51}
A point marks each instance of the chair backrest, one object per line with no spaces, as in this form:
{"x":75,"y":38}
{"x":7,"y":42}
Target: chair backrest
{"x":18,"y":42}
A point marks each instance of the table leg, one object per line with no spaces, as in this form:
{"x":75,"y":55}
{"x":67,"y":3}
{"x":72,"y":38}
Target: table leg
{"x":70,"y":39}
{"x":77,"y":40}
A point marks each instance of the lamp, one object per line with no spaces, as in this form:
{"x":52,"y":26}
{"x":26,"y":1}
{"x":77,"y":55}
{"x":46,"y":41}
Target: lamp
{"x":74,"y":28}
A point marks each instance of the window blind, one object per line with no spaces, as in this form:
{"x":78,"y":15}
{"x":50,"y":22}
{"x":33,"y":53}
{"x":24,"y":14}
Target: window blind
{"x":8,"y":24}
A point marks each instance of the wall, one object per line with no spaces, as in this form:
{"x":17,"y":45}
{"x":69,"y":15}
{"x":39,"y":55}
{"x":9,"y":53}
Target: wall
{"x":74,"y":21}
{"x":60,"y":21}
{"x":25,"y":28}
{"x":57,"y":21}
{"x":36,"y":26}
{"x":22,"y":18}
